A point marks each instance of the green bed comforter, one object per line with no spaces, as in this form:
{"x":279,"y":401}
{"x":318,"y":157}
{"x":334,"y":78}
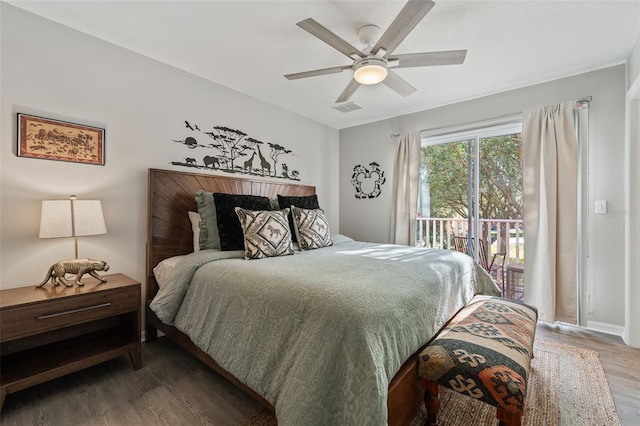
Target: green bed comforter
{"x":319,"y":334}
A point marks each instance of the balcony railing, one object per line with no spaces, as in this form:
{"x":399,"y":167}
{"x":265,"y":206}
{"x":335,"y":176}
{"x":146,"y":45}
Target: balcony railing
{"x":504,"y":235}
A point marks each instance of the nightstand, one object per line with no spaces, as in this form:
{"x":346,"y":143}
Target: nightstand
{"x":51,"y":331}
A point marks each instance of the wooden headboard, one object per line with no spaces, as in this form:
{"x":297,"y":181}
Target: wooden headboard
{"x":172,"y":196}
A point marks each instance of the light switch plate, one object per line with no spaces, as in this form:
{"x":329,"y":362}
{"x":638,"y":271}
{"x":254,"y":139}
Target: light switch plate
{"x":601,"y":207}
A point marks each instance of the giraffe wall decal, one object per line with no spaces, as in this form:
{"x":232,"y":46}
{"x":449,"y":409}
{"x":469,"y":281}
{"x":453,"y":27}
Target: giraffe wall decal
{"x":248,"y":165}
{"x":264,"y":163}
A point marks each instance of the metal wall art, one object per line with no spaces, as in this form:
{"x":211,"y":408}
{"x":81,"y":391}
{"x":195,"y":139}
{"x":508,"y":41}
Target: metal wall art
{"x":231,"y":151}
{"x":368,"y":181}
{"x":58,"y":140}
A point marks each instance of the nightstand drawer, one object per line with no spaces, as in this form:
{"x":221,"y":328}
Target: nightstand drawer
{"x":40,"y":317}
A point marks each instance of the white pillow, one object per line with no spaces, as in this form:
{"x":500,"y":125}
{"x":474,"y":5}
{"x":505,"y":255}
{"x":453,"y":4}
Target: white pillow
{"x":195,"y":229}
{"x":162,"y":271}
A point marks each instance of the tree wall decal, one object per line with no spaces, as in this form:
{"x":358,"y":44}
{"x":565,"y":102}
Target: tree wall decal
{"x":233,"y":152}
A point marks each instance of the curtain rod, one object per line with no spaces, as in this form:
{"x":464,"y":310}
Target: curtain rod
{"x":513,"y":114}
{"x":584,"y":100}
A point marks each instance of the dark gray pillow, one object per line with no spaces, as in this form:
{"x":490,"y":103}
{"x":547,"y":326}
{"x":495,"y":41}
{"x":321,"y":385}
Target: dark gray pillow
{"x":305,"y":202}
{"x":229,"y":229}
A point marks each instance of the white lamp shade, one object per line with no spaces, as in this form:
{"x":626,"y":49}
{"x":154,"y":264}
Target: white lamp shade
{"x":71,"y":218}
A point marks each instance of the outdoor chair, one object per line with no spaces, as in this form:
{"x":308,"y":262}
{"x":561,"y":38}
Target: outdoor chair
{"x":494,"y":268}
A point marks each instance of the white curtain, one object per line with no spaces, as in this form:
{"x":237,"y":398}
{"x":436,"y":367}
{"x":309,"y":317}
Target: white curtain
{"x":405,"y":189}
{"x":550,"y":196}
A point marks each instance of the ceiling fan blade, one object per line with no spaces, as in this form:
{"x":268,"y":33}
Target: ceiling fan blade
{"x":323,"y":71}
{"x":410,"y":15}
{"x":447,"y":57}
{"x":333,"y":40}
{"x":348,"y":91}
{"x":397,"y":83}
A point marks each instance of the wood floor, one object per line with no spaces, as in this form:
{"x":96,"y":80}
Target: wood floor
{"x":621,"y":365}
{"x":173,"y":388}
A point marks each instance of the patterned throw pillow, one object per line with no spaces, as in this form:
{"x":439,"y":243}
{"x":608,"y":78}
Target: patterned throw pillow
{"x":304,"y":202}
{"x":311,"y":227}
{"x":266,"y":233}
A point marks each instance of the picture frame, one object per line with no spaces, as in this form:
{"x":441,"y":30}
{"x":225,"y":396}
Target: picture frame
{"x":50,"y":139}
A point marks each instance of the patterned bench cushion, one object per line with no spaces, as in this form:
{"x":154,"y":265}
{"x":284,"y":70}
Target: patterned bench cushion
{"x":485,"y":352}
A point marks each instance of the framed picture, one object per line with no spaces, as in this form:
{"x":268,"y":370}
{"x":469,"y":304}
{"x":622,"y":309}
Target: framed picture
{"x":49,"y":139}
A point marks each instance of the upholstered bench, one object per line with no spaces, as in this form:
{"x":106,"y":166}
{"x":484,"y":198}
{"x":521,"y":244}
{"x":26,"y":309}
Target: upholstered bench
{"x":484,"y":352}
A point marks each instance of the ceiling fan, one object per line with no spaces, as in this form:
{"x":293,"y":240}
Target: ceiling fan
{"x":377,"y":64}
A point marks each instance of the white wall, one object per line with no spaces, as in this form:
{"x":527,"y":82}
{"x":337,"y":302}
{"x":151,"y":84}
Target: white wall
{"x":368,"y":220}
{"x":50,"y":70}
{"x":632,"y":206}
{"x":633,"y":64}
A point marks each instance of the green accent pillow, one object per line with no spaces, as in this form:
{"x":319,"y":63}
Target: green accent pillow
{"x":209,"y":236}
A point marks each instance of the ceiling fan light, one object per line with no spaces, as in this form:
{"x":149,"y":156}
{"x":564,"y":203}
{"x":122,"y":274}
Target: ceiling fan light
{"x":370,"y":71}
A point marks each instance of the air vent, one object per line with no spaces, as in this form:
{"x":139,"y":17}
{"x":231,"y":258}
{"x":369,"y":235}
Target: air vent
{"x":348,"y":107}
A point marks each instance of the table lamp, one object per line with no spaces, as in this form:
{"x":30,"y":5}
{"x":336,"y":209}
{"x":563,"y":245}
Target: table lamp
{"x":71,"y":218}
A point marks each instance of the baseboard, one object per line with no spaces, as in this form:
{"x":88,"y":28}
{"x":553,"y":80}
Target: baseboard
{"x":603,"y":327}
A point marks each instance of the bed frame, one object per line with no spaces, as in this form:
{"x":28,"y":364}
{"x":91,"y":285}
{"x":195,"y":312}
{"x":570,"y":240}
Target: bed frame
{"x":171,"y":196}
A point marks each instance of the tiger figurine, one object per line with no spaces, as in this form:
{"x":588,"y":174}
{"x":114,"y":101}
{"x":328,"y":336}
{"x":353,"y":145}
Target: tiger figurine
{"x":79,"y":267}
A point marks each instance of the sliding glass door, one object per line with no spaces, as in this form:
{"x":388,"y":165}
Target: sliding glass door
{"x":471,"y":199}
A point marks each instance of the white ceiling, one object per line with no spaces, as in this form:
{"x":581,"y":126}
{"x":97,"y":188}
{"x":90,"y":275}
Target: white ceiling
{"x":249,"y":45}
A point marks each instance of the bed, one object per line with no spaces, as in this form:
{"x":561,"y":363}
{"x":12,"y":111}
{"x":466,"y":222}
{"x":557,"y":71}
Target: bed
{"x":352,"y":375}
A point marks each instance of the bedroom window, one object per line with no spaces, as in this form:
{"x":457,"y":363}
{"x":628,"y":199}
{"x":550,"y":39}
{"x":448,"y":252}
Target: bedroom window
{"x":471,"y":187}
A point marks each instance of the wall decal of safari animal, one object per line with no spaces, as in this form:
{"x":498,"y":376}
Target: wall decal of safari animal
{"x":232,"y":151}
